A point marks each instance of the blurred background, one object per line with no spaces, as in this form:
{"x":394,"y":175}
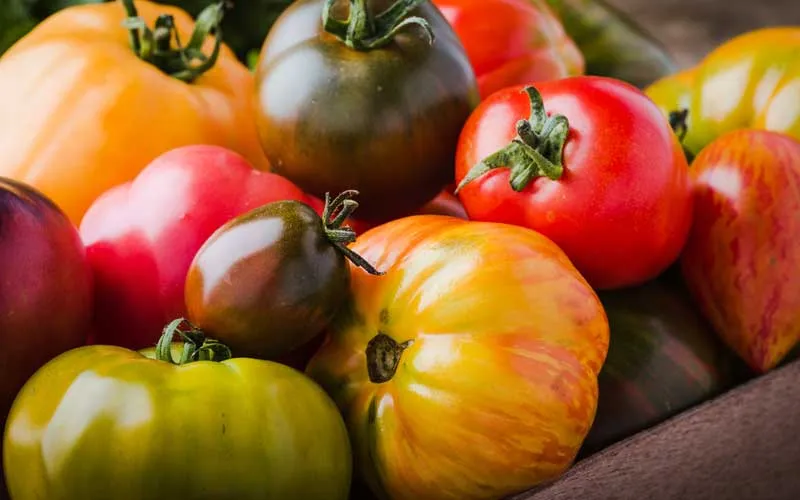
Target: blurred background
{"x":691,"y":28}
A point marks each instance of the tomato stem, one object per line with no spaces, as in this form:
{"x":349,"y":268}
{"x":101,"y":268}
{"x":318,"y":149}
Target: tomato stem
{"x":364,"y":31}
{"x":334,"y":214}
{"x":535,"y":152}
{"x":383,"y":357}
{"x":678,"y":121}
{"x":155,"y":46}
{"x":196,"y":346}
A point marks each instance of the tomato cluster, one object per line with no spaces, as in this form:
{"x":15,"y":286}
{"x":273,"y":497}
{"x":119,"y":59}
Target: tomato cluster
{"x":380,"y":259}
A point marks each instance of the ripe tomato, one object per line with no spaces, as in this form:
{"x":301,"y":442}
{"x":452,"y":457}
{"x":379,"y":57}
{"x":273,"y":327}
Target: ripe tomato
{"x":512,"y":42}
{"x":596,"y":168}
{"x":81,"y":111}
{"x":741,"y":256}
{"x":45,"y":288}
{"x":469,"y":369}
{"x":141,"y":236}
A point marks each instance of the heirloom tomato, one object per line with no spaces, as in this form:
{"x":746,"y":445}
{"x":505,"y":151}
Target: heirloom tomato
{"x":354,"y":99}
{"x":87,"y":104}
{"x":141,"y":236}
{"x":469,"y":368}
{"x":750,"y":81}
{"x":270,"y":280}
{"x":103,"y":422}
{"x":612,"y":43}
{"x":741,"y":256}
{"x":45,"y":287}
{"x":590,"y":163}
{"x":512,"y":42}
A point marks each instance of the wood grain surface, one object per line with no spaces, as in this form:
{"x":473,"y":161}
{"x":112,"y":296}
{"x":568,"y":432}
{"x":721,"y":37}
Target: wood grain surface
{"x":691,"y":28}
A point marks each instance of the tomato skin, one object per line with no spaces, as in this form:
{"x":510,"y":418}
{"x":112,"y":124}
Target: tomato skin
{"x":622,"y":208}
{"x":102,"y":419}
{"x":82,"y":113}
{"x":141,"y":236}
{"x":481,"y":405}
{"x":384,"y":122}
{"x":750,"y":81}
{"x":45,"y":289}
{"x":742,"y":251}
{"x":512,"y":42}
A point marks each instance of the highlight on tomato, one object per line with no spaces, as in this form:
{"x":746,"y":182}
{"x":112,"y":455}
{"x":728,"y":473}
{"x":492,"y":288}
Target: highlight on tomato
{"x":469,"y":368}
{"x":183,"y":420}
{"x":590,"y":163}
{"x":367,"y":95}
{"x":96,"y":92}
{"x":512,"y":42}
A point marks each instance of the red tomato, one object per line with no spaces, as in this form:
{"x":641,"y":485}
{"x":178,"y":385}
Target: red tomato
{"x":141,"y":236}
{"x":512,"y":42}
{"x":601,"y":174}
{"x":743,"y":251}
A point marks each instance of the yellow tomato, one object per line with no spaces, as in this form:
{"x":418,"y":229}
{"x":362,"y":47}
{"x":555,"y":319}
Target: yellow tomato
{"x":469,"y":369}
{"x":82,"y":112}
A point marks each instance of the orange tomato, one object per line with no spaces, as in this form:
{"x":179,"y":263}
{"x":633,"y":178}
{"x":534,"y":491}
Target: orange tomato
{"x":742,"y":253}
{"x":81,"y":112}
{"x":469,"y":369}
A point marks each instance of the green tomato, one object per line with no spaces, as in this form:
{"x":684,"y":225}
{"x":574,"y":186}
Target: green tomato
{"x":103,"y":422}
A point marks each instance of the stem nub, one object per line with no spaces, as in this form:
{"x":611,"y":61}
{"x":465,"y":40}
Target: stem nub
{"x":536,"y":151}
{"x":365,"y":31}
{"x":334,"y":214}
{"x":155,"y":46}
{"x":196,"y":346}
{"x":383,"y":357}
{"x":678,"y":121}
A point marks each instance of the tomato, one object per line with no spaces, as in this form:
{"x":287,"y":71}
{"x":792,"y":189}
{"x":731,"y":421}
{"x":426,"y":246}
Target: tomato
{"x":445,"y":204}
{"x":469,"y":369}
{"x":612,"y":43}
{"x":141,"y":236}
{"x":82,"y":112}
{"x":512,"y":42}
{"x":269,"y":281}
{"x":750,"y":81}
{"x":45,"y":289}
{"x":588,"y":162}
{"x":341,"y":106}
{"x":103,"y":421}
{"x":742,"y":252}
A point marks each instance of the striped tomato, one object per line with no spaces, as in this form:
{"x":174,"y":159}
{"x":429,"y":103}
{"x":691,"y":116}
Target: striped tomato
{"x":742,"y":253}
{"x":469,"y":369}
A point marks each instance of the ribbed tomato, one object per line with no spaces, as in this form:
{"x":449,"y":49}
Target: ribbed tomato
{"x":469,"y":369}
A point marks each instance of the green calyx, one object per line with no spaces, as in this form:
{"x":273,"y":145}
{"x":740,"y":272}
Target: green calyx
{"x":196,"y":346}
{"x":365,"y":31}
{"x":335,"y":212}
{"x":383,"y":357}
{"x":678,"y":121}
{"x":535,"y":152}
{"x":162,"y":46}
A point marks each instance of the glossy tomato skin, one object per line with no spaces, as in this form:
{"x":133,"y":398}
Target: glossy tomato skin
{"x":45,"y":289}
{"x":742,"y":252}
{"x":268,"y":281}
{"x":497,"y":385}
{"x":82,"y":113}
{"x":103,"y":421}
{"x":622,"y":208}
{"x":512,"y":42}
{"x":384,"y":122}
{"x":750,"y":81}
{"x":141,"y":236}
